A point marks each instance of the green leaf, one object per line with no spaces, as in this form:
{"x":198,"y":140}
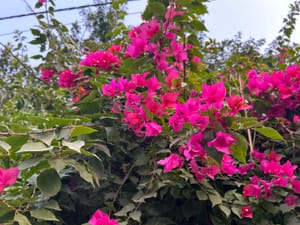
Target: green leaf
{"x":102,"y":148}
{"x":154,"y":9}
{"x":5,"y":146}
{"x":21,"y":219}
{"x":43,"y":214}
{"x":52,"y":204}
{"x":46,"y":137}
{"x":63,"y":133}
{"x":127,"y":208}
{"x":214,"y":198}
{"x":30,"y":163}
{"x":80,"y":130}
{"x":49,"y":182}
{"x":270,"y":133}
{"x":34,"y":147}
{"x":225,"y":210}
{"x":6,"y":213}
{"x":240,"y":148}
{"x":55,"y":121}
{"x":83,"y":172}
{"x":239,"y":123}
{"x":201,"y":195}
{"x":18,"y":128}
{"x":236,"y":211}
{"x":136,"y":215}
{"x":16,"y":141}
{"x":96,"y":168}
{"x":76,"y":145}
{"x":58,"y":164}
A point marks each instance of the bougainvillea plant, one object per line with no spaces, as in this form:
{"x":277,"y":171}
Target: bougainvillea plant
{"x":171,"y":141}
{"x":159,"y":101}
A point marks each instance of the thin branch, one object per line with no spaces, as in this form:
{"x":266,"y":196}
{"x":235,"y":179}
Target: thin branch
{"x":122,"y":184}
{"x":26,"y":67}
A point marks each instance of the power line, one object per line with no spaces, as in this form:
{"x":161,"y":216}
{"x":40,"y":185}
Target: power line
{"x":58,"y":10}
{"x":28,"y":30}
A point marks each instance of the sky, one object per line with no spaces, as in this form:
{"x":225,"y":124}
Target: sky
{"x":254,"y":18}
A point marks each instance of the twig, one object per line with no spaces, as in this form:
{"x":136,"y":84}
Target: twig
{"x":122,"y":184}
{"x":29,"y":69}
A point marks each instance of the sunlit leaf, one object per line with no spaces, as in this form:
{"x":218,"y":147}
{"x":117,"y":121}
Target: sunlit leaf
{"x":34,"y":147}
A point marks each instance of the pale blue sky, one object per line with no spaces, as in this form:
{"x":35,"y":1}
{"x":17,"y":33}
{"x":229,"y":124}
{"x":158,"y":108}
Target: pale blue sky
{"x":254,"y":18}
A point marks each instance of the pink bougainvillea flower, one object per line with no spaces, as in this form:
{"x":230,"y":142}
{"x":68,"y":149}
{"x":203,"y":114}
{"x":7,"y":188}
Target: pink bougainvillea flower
{"x":112,"y":89}
{"x":173,"y":79}
{"x":136,"y":119}
{"x":102,"y":59}
{"x":210,"y":171}
{"x":198,"y":120}
{"x":194,"y":147}
{"x":81,"y":92}
{"x":196,"y":59}
{"x":273,"y":156}
{"x":296,"y":119}
{"x":67,"y":79}
{"x":214,"y":94}
{"x":258,"y":155}
{"x":237,"y":103}
{"x":296,"y":186}
{"x":149,"y":29}
{"x":115,"y":48}
{"x":136,"y":48}
{"x":171,"y":13}
{"x":153,"y":106}
{"x":291,"y":200}
{"x":243,"y":169}
{"x":101,"y":218}
{"x":179,"y":51}
{"x":293,"y":70}
{"x":288,"y":169}
{"x":222,"y":142}
{"x":139,"y":79}
{"x":254,"y":180}
{"x":228,"y":166}
{"x":267,"y":185}
{"x":171,"y":162}
{"x":152,"y":129}
{"x":153,"y":84}
{"x":132,"y":100}
{"x":199,"y":175}
{"x":47,"y":75}
{"x":169,"y":100}
{"x":281,"y":182}
{"x":42,"y":1}
{"x":8,"y":177}
{"x":271,"y":167}
{"x":251,"y":190}
{"x":258,"y":82}
{"x":247,"y":212}
{"x":176,"y":122}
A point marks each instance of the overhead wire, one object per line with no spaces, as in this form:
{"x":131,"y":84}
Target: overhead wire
{"x":28,"y":30}
{"x":58,"y":10}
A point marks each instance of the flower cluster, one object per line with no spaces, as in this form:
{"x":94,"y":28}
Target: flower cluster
{"x":8,"y":177}
{"x":278,"y":174}
{"x":146,"y":100}
{"x":102,"y":59}
{"x":68,"y":79}
{"x":101,"y":218}
{"x":281,"y":89}
{"x":47,"y":75}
